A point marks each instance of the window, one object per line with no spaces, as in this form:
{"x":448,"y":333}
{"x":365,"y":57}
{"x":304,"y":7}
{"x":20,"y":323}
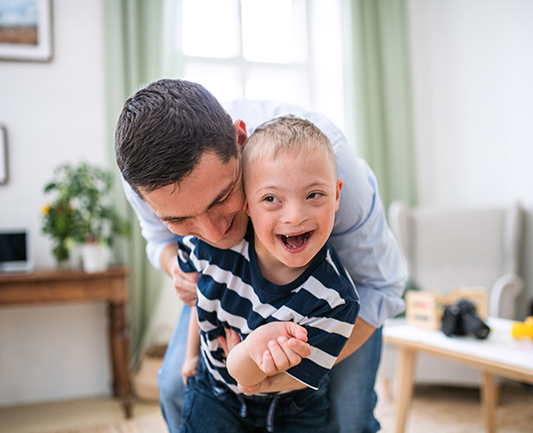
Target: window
{"x":287,"y":50}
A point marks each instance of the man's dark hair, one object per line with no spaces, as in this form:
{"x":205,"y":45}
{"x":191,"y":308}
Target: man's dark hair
{"x":165,"y":128}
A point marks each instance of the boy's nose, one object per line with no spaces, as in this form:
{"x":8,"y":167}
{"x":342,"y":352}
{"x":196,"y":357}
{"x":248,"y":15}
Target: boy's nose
{"x":295,"y":214}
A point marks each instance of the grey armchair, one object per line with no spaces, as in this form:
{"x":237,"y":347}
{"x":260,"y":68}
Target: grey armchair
{"x":444,"y":248}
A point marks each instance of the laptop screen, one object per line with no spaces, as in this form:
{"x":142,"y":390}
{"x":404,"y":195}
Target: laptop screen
{"x":14,"y":251}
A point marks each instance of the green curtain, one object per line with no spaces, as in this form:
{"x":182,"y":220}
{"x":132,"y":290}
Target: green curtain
{"x":382,"y":95}
{"x":138,"y":50}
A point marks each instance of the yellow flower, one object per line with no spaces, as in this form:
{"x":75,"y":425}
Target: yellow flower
{"x":45,"y":209}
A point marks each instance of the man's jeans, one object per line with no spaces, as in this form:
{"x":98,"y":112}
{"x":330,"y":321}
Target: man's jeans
{"x":352,"y":394}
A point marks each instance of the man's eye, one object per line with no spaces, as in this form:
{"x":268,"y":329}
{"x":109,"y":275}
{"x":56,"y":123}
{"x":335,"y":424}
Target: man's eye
{"x":224,"y":200}
{"x":176,"y":222}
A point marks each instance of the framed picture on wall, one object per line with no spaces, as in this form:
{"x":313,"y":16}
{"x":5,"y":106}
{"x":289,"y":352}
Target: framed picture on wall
{"x":26,"y":30}
{"x":3,"y":155}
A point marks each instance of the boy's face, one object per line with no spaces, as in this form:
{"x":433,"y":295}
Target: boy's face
{"x":292,"y":202}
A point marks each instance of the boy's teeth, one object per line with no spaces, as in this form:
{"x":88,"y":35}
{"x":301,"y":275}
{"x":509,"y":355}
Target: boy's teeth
{"x":295,"y":241}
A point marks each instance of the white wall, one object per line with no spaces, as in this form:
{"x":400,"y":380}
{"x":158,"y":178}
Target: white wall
{"x":54,"y":112}
{"x":472,"y":68}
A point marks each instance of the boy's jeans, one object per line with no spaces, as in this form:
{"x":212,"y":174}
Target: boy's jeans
{"x":212,"y":407}
{"x":352,"y":394}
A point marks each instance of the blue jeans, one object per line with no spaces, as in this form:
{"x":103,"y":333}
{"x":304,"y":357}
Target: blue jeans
{"x":214,"y":408}
{"x":352,"y":394}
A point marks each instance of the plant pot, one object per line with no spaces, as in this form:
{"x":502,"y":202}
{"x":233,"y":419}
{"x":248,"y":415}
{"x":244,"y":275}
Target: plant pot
{"x":95,"y":257}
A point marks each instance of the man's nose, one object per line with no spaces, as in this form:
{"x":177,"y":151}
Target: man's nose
{"x":212,"y":228}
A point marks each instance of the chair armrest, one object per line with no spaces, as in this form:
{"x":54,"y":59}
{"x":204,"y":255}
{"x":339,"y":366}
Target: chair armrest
{"x":503,"y":295}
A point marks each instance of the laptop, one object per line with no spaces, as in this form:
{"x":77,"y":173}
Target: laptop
{"x":15,"y":250}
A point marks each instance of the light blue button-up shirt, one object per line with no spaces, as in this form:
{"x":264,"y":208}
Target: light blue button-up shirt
{"x":360,"y":235}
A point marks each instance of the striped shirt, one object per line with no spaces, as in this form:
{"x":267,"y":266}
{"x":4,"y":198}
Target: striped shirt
{"x":232,"y":293}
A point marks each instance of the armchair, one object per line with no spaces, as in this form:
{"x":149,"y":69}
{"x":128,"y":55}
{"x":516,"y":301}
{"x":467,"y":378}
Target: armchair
{"x":443,"y":248}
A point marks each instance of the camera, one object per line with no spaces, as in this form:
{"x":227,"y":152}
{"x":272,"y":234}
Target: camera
{"x":461,"y":319}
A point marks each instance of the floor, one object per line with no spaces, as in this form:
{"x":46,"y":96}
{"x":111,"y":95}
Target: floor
{"x":71,"y":414}
{"x":435,"y":409}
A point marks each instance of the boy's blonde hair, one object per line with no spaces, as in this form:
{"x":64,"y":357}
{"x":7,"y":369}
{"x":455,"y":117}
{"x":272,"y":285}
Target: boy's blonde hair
{"x":285,"y":134}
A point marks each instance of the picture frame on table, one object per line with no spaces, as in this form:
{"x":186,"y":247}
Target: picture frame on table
{"x":26,"y":30}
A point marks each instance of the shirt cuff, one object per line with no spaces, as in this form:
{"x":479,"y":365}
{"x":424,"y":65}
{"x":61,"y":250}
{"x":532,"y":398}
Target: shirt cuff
{"x":377,"y":306}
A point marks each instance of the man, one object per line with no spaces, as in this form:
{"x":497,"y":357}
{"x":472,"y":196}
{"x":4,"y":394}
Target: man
{"x":180,"y":154}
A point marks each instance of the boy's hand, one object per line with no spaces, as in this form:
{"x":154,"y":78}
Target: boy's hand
{"x":277,"y":346}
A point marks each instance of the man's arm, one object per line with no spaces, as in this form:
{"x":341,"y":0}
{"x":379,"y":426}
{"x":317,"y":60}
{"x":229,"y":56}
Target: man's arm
{"x":162,"y":248}
{"x":184,"y":282}
{"x":283,"y":382}
{"x":192,"y":352}
{"x":361,"y":332}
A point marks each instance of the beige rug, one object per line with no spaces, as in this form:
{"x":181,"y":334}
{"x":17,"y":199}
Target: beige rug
{"x":435,"y":410}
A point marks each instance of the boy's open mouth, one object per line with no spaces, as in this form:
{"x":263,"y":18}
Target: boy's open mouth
{"x":294,"y":242}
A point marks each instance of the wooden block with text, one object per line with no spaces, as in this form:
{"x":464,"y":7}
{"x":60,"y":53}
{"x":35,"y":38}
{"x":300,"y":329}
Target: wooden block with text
{"x":425,"y":308}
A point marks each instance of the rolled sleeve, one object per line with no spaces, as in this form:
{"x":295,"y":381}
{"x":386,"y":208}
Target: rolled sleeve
{"x":157,"y":235}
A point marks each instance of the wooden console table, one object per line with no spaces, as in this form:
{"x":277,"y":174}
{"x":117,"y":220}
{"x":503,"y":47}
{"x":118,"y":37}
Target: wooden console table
{"x":498,"y":355}
{"x":47,"y":286}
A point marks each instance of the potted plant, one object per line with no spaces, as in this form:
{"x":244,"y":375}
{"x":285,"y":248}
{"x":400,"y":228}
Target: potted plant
{"x":81,"y":213}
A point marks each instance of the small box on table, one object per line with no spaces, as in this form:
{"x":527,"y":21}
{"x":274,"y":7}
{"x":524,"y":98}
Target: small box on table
{"x":425,"y":308}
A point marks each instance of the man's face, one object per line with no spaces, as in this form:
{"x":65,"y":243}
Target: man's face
{"x":292,"y":201}
{"x":206,"y":204}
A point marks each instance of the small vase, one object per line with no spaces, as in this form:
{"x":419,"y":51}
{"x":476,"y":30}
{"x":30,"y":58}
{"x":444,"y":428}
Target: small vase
{"x":95,"y":257}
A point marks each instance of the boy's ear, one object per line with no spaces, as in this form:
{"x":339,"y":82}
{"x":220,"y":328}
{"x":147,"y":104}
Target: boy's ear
{"x":245,"y":207}
{"x":338,"y":188}
{"x":240,"y":132}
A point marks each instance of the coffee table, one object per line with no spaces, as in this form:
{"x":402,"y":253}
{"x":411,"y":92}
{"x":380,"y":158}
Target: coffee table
{"x":498,"y":355}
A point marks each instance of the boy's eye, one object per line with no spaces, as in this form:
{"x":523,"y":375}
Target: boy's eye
{"x":270,"y":199}
{"x":314,"y":195}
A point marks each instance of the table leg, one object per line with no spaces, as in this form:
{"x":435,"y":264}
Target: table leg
{"x":120,"y":354}
{"x":489,"y":397}
{"x":404,"y":391}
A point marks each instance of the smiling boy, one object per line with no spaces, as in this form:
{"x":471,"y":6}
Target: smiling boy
{"x":283,"y":273}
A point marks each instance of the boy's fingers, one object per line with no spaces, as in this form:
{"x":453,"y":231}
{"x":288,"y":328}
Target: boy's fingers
{"x":293,"y":357}
{"x":267,"y":365}
{"x":297,"y":331}
{"x":279,"y":357}
{"x":301,"y":348}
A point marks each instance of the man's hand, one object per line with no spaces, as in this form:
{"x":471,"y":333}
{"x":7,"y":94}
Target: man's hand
{"x":184,"y":282}
{"x":189,"y":368}
{"x":228,"y":343}
{"x":277,"y":346}
{"x":278,"y":382}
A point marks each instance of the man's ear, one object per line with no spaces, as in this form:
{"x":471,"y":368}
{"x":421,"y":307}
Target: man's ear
{"x":240,"y":132}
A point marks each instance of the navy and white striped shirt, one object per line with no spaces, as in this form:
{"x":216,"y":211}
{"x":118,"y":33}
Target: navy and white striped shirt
{"x":232,"y":293}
